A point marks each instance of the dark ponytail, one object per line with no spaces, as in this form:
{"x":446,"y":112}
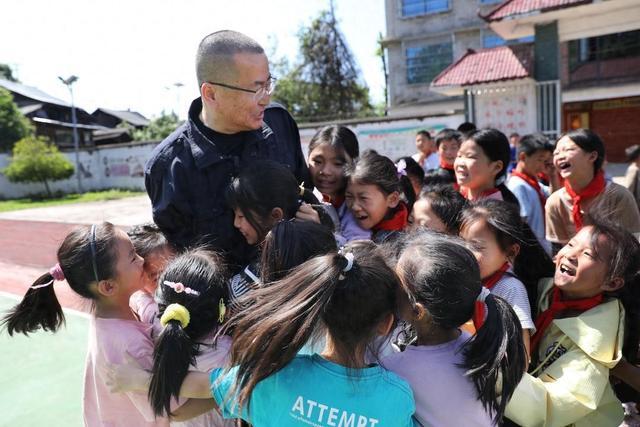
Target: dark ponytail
{"x":440,"y":273}
{"x":81,"y":266}
{"x":317,"y":295}
{"x":178,"y":346}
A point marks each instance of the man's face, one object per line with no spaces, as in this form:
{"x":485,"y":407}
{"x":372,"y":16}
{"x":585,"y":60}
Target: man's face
{"x":241,"y":111}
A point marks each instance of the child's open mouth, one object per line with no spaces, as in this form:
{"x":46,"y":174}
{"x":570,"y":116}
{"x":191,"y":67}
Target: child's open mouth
{"x":565,"y":269}
{"x":564,"y":165}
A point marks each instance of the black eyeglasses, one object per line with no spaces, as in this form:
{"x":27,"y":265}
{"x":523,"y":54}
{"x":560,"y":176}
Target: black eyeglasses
{"x":258,"y":94}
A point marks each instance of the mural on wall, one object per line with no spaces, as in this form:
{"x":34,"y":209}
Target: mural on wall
{"x":391,"y":138}
{"x":130,"y":166}
{"x":511,"y":110}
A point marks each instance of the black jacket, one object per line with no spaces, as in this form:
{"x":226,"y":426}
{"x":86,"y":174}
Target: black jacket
{"x":188,"y":174}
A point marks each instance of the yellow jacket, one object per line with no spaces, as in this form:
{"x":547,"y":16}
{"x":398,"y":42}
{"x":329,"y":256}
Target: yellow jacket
{"x":571,"y":386}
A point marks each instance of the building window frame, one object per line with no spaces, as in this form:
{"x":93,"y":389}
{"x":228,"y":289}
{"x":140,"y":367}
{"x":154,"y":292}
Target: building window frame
{"x":420,"y":66}
{"x":416,"y":8}
{"x":603,"y":48}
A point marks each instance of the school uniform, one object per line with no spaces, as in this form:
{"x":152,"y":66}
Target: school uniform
{"x":570,"y":384}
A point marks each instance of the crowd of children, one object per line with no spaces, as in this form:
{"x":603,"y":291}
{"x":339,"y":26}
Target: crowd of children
{"x":431,"y":291}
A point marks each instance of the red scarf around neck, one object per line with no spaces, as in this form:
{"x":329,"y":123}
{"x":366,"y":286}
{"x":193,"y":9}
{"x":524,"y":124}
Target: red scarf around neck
{"x":558,"y":306}
{"x":533,"y":182}
{"x":489,"y":283}
{"x":594,"y":188}
{"x":445,"y":165}
{"x":486,"y":193}
{"x":336,"y":202}
{"x":397,"y":222}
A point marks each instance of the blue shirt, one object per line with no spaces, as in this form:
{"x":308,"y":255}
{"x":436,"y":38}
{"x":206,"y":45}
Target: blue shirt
{"x":311,"y":391}
{"x":530,"y":208}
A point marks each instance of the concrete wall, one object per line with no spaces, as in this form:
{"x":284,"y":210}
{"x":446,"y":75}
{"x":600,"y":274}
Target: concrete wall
{"x":120,"y":166}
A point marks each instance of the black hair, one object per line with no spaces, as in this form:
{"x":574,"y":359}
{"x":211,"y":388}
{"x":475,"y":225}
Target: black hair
{"x":588,"y":141}
{"x":624,"y":262}
{"x":289,"y":244}
{"x":258,"y":190}
{"x":448,"y":135}
{"x":412,"y":168}
{"x":531,"y":263}
{"x":80,"y":251}
{"x":533,"y":142}
{"x":514,"y":135}
{"x":466,"y":127}
{"x":338,"y":137}
{"x":424,"y":133}
{"x":441,"y":274}
{"x":374,"y":169}
{"x":632,"y":152}
{"x":439,"y":176}
{"x":147,"y":238}
{"x":495,"y":146}
{"x":446,"y":203}
{"x":177,"y":347}
{"x":318,"y":295}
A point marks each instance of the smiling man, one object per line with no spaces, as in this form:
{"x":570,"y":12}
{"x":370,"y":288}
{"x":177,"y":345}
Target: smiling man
{"x":231,"y":125}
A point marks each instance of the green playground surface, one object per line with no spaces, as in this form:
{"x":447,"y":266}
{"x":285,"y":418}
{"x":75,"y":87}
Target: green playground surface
{"x":41,"y":376}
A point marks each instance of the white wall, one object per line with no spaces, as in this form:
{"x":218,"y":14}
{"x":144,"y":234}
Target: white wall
{"x":120,"y":166}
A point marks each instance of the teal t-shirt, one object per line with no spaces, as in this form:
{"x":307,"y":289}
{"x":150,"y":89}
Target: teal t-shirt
{"x":311,"y":391}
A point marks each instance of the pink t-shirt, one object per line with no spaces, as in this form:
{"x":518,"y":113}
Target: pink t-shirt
{"x":443,"y":395}
{"x":109,"y":340}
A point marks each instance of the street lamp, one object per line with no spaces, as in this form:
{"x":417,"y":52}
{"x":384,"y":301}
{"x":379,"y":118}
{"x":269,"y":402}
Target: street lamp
{"x":68,"y":83}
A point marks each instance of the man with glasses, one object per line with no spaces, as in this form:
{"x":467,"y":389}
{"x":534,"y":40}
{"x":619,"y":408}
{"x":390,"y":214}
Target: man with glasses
{"x":232,"y":125}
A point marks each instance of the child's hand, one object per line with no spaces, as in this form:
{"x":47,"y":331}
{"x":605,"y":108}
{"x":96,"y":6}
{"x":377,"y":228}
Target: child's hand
{"x":129,"y":376}
{"x":307,"y":213}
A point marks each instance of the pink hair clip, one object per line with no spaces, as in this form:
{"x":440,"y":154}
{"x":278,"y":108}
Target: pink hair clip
{"x":180,"y":288}
{"x":401,"y":168}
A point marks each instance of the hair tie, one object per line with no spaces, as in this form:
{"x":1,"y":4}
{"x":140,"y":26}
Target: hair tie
{"x":401,"y":168}
{"x":222,"y":310}
{"x":93,"y":252}
{"x":56,"y":274}
{"x":483,"y":294}
{"x":175,"y":312}
{"x":350,"y":259}
{"x":180,"y":288}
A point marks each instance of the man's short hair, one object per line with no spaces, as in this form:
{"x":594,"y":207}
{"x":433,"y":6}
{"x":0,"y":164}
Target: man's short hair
{"x":214,"y":60}
{"x":533,"y":142}
{"x":514,"y":135}
{"x":424,"y":133}
{"x":448,"y":135}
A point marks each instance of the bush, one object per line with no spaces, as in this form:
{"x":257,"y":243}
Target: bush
{"x":36,"y":160}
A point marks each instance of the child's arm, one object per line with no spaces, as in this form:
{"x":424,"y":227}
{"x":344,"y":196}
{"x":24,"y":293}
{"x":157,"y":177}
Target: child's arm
{"x":196,"y":385}
{"x":568,"y":390}
{"x":627,"y":373}
{"x":192,"y":408}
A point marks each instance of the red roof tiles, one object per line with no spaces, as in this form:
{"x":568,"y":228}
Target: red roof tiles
{"x":488,"y":65}
{"x":519,"y":7}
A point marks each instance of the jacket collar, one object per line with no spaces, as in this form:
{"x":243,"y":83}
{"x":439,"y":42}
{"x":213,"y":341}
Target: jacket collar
{"x":204,"y":150}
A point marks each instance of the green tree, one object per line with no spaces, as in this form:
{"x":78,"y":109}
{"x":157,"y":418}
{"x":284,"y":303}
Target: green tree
{"x":159,"y":128}
{"x":6,"y":72}
{"x":13,"y":124}
{"x":36,"y":160}
{"x":325,"y":84}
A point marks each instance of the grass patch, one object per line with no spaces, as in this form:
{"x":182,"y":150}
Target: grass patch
{"x":91,"y":196}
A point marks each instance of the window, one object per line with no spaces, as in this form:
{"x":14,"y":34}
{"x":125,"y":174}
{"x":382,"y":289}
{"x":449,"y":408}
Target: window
{"x":423,"y":7}
{"x":610,"y":46}
{"x":425,"y":62}
{"x":490,"y":1}
{"x":492,"y":40}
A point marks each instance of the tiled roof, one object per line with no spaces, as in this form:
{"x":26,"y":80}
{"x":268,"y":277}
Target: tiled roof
{"x":520,"y":7}
{"x":488,"y":65}
{"x":132,"y":117}
{"x":32,"y":93}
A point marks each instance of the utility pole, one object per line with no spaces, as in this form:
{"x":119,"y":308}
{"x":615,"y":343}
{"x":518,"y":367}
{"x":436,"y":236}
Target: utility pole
{"x":74,"y":121}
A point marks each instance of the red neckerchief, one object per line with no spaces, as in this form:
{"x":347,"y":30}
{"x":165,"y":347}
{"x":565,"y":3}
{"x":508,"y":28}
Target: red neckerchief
{"x":486,"y":193}
{"x":445,"y":165}
{"x":557,"y":307}
{"x":336,"y":202}
{"x":533,"y":182}
{"x":489,"y":283}
{"x":398,"y":222}
{"x":595,"y":187}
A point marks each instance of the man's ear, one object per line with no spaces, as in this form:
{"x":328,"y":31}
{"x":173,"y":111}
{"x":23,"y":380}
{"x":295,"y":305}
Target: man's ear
{"x":277,"y":214}
{"x":393,"y":199}
{"x":207,"y":92}
{"x":613,"y":285}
